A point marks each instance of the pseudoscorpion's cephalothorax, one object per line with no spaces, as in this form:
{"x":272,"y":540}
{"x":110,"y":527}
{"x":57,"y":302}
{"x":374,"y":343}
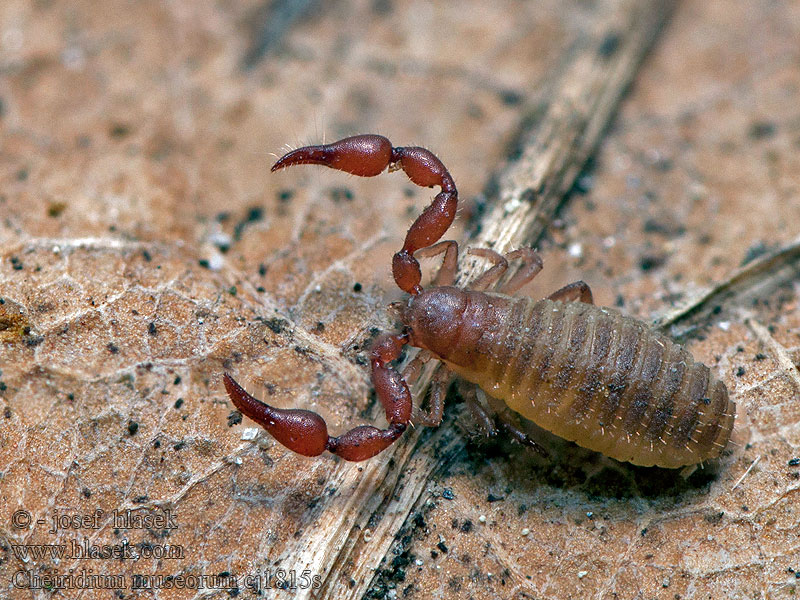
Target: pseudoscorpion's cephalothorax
{"x":586,"y":373}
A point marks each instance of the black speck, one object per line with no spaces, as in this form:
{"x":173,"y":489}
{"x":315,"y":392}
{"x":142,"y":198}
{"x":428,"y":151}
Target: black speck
{"x":262,"y":269}
{"x":448,"y":494}
{"x":466,"y":526}
{"x":666,"y":228}
{"x":87,"y":493}
{"x":146,"y":256}
{"x":119,"y":130}
{"x":177,"y":380}
{"x":7,"y":412}
{"x":179,"y":445}
{"x":740,"y":371}
{"x":338,"y":194}
{"x":762,"y":130}
{"x":112,"y":347}
{"x":204,"y":263}
{"x":232,"y":290}
{"x":511,"y":97}
{"x":140,"y":499}
{"x":254,"y":214}
{"x":493,"y":498}
{"x":276,"y":325}
{"x":285,"y":195}
{"x":133,"y":427}
{"x":651,"y":261}
{"x":178,"y":403}
{"x":609,"y":45}
{"x":755,"y":251}
{"x":442,"y":547}
{"x":794,"y":462}
{"x":234,"y":418}
{"x":760,"y":356}
{"x":151,"y":328}
{"x":357,"y":287}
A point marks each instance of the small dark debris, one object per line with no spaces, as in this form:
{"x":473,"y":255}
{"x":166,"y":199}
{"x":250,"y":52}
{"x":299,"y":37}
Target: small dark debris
{"x":178,"y":403}
{"x":232,"y":290}
{"x":234,"y":418}
{"x":7,"y":412}
{"x":157,"y":444}
{"x":140,"y":499}
{"x":133,"y":427}
{"x":33,"y":340}
{"x":338,"y":194}
{"x":87,"y":493}
{"x":119,"y":130}
{"x":492,"y":498}
{"x":511,"y":97}
{"x":319,"y":327}
{"x":740,"y":371}
{"x":442,"y":547}
{"x":665,"y":227}
{"x":179,"y":446}
{"x":357,"y":287}
{"x":448,"y":494}
{"x":466,"y":526}
{"x":756,"y":251}
{"x":262,"y":269}
{"x":55,"y":209}
{"x":22,"y":174}
{"x":177,"y":380}
{"x":760,"y":356}
{"x":254,"y":214}
{"x":762,"y":130}
{"x":112,"y":347}
{"x":609,"y":45}
{"x":794,"y":462}
{"x":204,"y":263}
{"x":285,"y":196}
{"x":276,"y":325}
{"x":3,"y":386}
{"x":651,"y":261}
{"x":714,"y":518}
{"x":151,"y":328}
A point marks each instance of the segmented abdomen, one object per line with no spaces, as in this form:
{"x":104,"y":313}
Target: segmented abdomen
{"x":603,"y":380}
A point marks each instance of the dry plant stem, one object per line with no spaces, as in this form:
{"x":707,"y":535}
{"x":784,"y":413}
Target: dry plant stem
{"x":555,"y":148}
{"x":585,"y":94}
{"x":757,"y":279}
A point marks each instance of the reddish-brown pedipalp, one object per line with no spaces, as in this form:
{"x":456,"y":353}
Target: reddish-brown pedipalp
{"x":303,"y":431}
{"x":586,"y":373}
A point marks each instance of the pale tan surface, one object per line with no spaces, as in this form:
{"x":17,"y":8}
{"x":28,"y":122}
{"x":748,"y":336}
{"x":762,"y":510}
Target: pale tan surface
{"x":132,"y":146}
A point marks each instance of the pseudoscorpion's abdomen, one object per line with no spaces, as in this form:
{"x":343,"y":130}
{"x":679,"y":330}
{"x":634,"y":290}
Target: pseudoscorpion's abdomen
{"x":605,"y":381}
